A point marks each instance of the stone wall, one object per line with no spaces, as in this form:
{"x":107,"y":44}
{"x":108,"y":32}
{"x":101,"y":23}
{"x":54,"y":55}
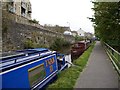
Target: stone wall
{"x":15,"y":33}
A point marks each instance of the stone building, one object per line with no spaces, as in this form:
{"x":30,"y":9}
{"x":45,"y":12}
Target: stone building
{"x":18,"y":7}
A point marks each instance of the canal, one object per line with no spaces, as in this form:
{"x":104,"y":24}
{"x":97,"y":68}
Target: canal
{"x":67,"y":52}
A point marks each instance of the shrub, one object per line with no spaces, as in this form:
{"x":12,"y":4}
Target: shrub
{"x":78,"y":38}
{"x":28,"y":44}
{"x":40,"y":46}
{"x":59,"y":43}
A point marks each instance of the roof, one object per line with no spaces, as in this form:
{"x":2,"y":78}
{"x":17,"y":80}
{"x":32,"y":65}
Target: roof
{"x":22,"y":52}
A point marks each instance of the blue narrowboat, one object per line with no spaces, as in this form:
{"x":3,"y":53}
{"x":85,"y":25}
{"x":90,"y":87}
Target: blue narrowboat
{"x":30,"y":68}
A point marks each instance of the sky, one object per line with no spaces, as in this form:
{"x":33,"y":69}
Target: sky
{"x":71,"y":13}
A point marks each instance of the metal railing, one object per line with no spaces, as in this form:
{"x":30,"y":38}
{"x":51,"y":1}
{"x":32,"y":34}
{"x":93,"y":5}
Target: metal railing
{"x":114,"y":56}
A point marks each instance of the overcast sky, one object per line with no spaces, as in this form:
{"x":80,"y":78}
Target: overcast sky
{"x":71,"y":13}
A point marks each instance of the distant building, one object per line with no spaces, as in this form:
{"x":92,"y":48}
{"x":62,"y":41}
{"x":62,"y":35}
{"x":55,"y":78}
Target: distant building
{"x":18,"y":7}
{"x":81,"y":32}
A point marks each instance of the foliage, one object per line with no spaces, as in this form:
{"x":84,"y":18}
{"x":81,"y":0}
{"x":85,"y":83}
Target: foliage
{"x":107,"y":22}
{"x":78,"y":38}
{"x":67,"y":78}
{"x":34,"y":21}
{"x":28,"y":44}
{"x":59,"y":43}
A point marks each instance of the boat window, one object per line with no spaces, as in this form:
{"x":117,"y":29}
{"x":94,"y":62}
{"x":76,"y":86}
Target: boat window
{"x":36,"y":74}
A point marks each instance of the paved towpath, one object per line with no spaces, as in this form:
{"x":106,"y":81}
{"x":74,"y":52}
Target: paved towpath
{"x":99,"y":72}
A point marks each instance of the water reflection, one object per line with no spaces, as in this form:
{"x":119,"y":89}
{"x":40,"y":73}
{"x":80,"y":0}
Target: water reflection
{"x":68,"y":59}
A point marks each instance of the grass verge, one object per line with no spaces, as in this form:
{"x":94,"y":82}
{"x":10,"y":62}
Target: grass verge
{"x":67,"y":78}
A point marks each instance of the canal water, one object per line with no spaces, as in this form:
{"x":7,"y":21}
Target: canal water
{"x":67,"y":52}
{"x":68,"y":59}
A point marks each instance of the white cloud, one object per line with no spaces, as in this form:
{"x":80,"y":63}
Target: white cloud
{"x":62,"y":11}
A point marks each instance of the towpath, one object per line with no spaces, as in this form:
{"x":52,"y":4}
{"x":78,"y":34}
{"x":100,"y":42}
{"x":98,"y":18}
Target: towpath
{"x":99,"y":72}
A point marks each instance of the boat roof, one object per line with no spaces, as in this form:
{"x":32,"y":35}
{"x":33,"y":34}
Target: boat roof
{"x":22,"y":52}
{"x":83,"y":42}
{"x":14,"y":58}
{"x":39,"y":49}
{"x":33,"y":50}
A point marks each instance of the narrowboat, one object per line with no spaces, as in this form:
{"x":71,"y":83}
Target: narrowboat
{"x":78,"y":48}
{"x":30,"y":68}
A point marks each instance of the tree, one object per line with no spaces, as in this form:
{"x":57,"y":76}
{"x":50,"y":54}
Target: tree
{"x":106,"y":22}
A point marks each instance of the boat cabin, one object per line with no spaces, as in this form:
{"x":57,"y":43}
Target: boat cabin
{"x":78,"y":48}
{"x":30,"y":68}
